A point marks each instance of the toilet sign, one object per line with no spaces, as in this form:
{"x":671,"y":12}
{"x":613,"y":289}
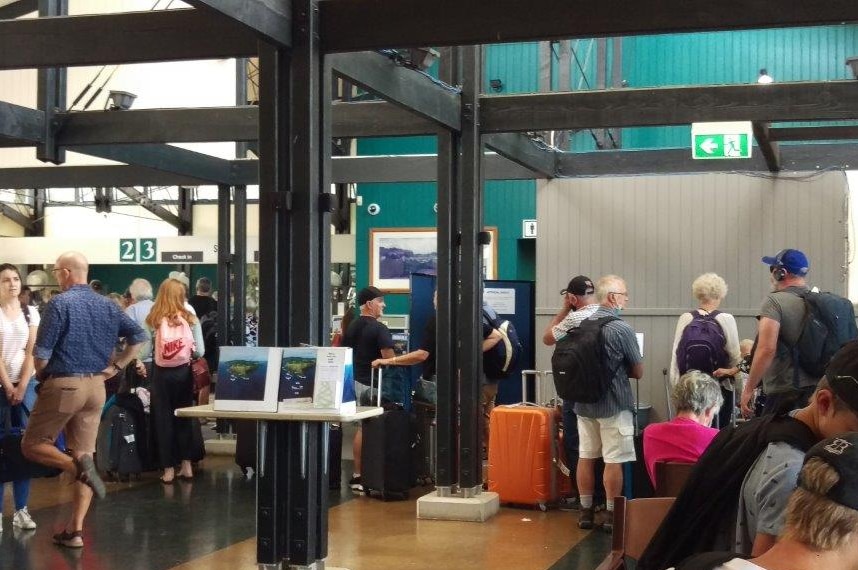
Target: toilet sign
{"x":528,"y":228}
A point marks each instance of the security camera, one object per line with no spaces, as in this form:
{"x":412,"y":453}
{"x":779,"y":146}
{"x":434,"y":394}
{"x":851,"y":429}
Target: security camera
{"x":373,"y":209}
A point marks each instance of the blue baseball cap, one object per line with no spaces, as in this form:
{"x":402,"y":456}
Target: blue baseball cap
{"x":792,"y":260}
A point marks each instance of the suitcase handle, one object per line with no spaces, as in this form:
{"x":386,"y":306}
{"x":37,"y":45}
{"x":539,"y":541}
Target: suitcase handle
{"x":372,"y":383}
{"x":536,"y":386}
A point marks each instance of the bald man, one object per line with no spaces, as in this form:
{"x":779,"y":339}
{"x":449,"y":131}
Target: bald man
{"x":73,"y":357}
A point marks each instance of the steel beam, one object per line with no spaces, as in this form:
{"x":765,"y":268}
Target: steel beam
{"x":18,"y":8}
{"x":167,"y":158}
{"x":186,"y":209}
{"x":769,"y":148}
{"x":399,"y":85}
{"x":19,"y":218}
{"x":798,"y":158}
{"x":22,"y":124}
{"x":91,"y":176}
{"x":270,"y":20}
{"x":137,"y":37}
{"x":377,"y":119}
{"x":37,"y":228}
{"x":370,"y":24}
{"x":832,"y":133}
{"x":525,"y":152}
{"x":151,"y":206}
{"x":214,"y":124}
{"x":805,"y":101}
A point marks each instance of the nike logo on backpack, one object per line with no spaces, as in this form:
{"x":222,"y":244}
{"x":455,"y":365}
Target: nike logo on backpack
{"x":171,"y":349}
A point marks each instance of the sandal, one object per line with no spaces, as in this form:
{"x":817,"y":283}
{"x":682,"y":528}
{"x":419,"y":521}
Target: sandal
{"x":185,"y":477}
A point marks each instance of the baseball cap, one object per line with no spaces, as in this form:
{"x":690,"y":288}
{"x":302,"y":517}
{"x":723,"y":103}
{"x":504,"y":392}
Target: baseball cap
{"x":580,"y":285}
{"x":841,"y":453}
{"x":367,"y":294}
{"x":792,"y":260}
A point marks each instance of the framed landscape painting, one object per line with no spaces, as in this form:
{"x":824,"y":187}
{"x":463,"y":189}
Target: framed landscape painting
{"x":396,"y":253}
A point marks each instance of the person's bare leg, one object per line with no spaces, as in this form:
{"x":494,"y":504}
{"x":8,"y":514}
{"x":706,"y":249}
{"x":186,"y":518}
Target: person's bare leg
{"x":186,"y":469}
{"x":45,"y":453}
{"x":613,"y":481}
{"x":585,"y":476}
{"x":80,"y":506}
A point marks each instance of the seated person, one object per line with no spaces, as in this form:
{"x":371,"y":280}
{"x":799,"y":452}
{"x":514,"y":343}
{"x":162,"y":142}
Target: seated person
{"x":697,"y":398}
{"x":736,"y":496}
{"x":821,"y":526}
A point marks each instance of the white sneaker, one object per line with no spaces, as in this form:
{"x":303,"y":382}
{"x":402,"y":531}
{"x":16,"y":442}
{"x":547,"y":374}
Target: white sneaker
{"x":22,"y":519}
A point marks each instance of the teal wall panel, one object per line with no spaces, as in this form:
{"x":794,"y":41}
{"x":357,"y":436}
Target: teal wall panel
{"x":516,"y":65}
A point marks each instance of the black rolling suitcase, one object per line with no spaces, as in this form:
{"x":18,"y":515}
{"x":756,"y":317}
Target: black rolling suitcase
{"x":245,"y":445}
{"x":387,"y":468}
{"x":424,"y":443}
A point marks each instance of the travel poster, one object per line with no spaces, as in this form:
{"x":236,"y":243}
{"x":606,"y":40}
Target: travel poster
{"x":248,"y":379}
{"x":297,"y":377}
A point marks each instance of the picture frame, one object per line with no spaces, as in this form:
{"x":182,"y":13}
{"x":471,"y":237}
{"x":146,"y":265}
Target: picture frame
{"x":396,"y":253}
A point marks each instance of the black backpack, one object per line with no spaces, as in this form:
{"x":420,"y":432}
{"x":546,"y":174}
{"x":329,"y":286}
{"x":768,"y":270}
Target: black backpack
{"x":500,"y":361}
{"x":208,"y":325}
{"x":578,"y":363}
{"x":828,"y":324}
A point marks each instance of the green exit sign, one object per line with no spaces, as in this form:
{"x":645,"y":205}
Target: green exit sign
{"x":722,"y":146}
{"x":721,"y":140}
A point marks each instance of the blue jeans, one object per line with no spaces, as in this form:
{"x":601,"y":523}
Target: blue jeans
{"x":18,"y":418}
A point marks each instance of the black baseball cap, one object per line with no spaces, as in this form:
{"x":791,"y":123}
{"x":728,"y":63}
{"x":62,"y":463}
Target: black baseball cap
{"x":580,"y":285}
{"x":367,"y":294}
{"x":841,"y":453}
{"x":842,"y":374}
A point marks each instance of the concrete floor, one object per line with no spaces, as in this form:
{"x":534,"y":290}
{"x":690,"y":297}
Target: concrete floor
{"x":209,"y":524}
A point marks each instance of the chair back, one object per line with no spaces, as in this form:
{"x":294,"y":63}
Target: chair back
{"x":670,"y":477}
{"x":642,"y":519}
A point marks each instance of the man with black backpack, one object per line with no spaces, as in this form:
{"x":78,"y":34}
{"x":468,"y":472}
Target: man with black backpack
{"x":592,"y":366}
{"x":799,"y":330}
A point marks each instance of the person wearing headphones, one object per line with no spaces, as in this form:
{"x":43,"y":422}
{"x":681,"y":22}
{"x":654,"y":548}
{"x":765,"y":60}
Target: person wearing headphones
{"x":779,"y":326}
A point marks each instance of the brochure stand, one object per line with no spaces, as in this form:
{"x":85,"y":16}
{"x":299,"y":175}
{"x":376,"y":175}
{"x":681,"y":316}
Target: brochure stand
{"x":292,"y":481}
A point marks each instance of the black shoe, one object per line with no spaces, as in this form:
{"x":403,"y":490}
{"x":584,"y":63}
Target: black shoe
{"x":355,"y":484}
{"x":585,"y":518}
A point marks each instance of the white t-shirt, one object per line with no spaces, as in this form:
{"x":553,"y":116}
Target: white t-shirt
{"x":737,"y":564}
{"x":13,"y":341}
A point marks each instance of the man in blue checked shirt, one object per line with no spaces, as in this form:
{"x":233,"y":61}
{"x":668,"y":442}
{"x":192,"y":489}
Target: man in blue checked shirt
{"x":73,"y":357}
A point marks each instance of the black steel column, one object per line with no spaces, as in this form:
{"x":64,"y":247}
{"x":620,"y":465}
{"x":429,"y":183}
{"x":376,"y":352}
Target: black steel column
{"x":241,"y":99}
{"x":471,"y":293}
{"x":37,"y":229}
{"x":51,"y":92}
{"x":186,"y":211}
{"x":224,"y":261}
{"x":239,"y":263}
{"x":274,"y":257}
{"x":449,"y":148}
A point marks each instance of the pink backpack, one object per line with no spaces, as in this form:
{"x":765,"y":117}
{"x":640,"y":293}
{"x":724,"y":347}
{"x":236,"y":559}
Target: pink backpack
{"x":174,"y":344}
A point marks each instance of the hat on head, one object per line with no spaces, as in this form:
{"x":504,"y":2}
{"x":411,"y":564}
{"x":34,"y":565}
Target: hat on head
{"x":367,"y":294}
{"x":181,"y":277}
{"x":580,"y":285}
{"x":842,"y":374}
{"x":793,"y":260}
{"x":841,"y":453}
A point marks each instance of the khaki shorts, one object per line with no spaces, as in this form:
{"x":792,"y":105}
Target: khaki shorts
{"x":611,"y":438}
{"x":74,"y":403}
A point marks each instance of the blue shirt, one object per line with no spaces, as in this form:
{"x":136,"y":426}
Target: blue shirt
{"x":78,"y":331}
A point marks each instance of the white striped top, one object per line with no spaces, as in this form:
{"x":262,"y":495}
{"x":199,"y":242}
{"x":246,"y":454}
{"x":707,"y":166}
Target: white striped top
{"x":13,"y":341}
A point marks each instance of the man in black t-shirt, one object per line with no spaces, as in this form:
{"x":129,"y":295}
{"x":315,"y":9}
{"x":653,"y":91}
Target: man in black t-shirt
{"x":369,"y":340}
{"x":203,"y":302}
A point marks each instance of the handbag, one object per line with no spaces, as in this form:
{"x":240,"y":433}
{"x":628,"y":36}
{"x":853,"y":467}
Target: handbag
{"x":201,"y":374}
{"x":426,"y":391}
{"x":13,"y":465}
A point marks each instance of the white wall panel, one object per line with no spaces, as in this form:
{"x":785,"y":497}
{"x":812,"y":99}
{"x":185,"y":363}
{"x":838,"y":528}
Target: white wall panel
{"x":660,"y":232}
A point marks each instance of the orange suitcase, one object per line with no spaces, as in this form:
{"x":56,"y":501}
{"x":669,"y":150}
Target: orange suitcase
{"x":523,"y":452}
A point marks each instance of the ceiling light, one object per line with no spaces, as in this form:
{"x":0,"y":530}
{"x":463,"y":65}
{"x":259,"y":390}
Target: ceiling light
{"x":120,"y":100}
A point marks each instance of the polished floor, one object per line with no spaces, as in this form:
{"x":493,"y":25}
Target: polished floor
{"x":209,"y":524}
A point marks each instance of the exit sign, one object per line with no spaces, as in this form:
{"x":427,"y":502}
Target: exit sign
{"x":721,"y":140}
